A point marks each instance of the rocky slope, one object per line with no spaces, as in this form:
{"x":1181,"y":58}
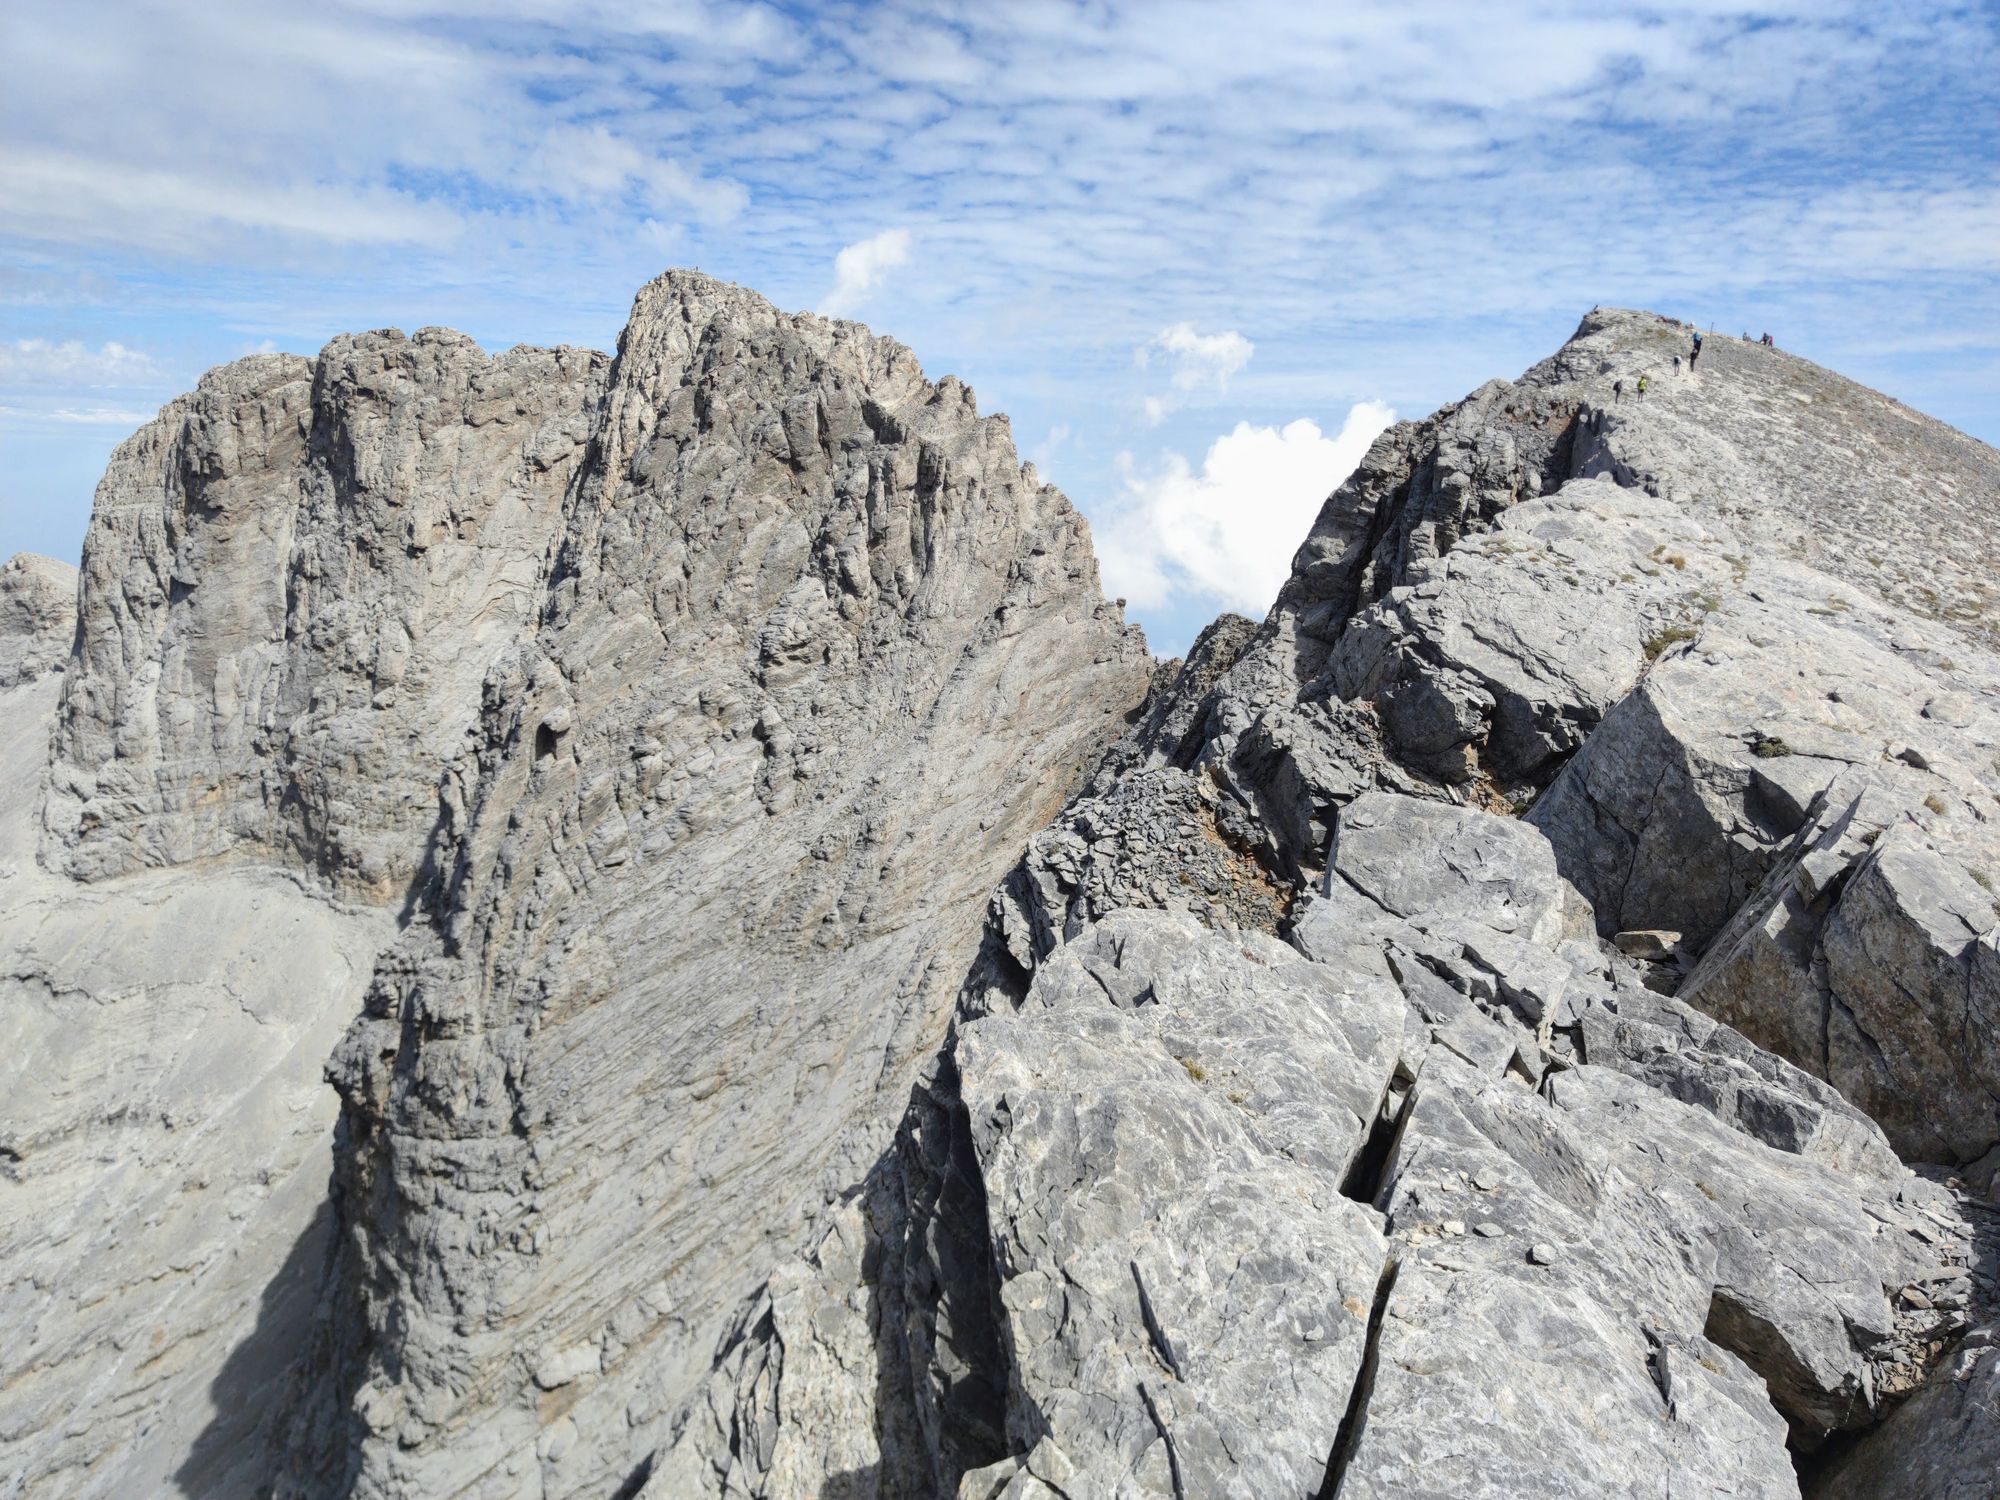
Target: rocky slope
{"x":1516,"y":1022}
{"x":1551,"y":670}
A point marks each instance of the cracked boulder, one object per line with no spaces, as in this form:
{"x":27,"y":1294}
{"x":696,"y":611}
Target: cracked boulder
{"x":1499,"y":657}
{"x":1163,"y":1131}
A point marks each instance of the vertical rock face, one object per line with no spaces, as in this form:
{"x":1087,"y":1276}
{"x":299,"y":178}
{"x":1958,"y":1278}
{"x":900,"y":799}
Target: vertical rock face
{"x":294,"y":580}
{"x":37,"y":617}
{"x":685,"y":708}
{"x":1464,"y":1036}
{"x":815,"y":656}
{"x":165,"y":1136}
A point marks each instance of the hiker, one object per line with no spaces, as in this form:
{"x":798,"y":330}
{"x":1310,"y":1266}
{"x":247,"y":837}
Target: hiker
{"x":1642,"y":385}
{"x":1617,"y":391}
{"x":1677,"y":366}
{"x":1694,"y":353}
{"x":1766,"y":342}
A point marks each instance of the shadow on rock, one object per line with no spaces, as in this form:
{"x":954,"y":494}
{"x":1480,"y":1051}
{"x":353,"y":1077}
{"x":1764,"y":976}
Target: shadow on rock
{"x":235,"y":1454}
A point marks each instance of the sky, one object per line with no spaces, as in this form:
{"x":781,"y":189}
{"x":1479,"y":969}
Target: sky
{"x":1200,"y":253}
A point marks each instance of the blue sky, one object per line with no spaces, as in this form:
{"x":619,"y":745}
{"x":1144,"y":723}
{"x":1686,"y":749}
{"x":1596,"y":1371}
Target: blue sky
{"x":1198,"y":252}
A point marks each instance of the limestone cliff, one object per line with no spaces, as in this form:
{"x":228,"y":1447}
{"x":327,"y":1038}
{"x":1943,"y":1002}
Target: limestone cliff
{"x":812,"y":1011}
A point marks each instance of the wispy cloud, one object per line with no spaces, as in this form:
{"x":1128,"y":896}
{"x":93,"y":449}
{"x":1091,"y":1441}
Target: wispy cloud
{"x":1199,"y":361}
{"x":42,"y":363}
{"x":1226,"y":532}
{"x":93,"y":416}
{"x":860,"y":268}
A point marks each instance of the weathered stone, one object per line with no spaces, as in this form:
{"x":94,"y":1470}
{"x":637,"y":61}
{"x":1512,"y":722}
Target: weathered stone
{"x":1648,"y":946}
{"x":37,"y":617}
{"x":165,"y":1143}
{"x":1411,"y":857}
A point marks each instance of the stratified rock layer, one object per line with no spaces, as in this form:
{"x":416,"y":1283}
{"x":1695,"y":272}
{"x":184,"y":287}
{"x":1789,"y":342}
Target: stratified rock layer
{"x":684,"y":708}
{"x":294,"y":582}
{"x":165,"y":1136}
{"x":815,"y":655}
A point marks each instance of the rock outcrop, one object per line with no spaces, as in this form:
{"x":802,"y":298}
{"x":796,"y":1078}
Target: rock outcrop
{"x":814,"y":1012}
{"x":37,"y":617}
{"x":294,"y":582}
{"x":1617,"y":1244}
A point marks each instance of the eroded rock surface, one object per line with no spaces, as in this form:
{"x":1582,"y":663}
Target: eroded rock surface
{"x":37,"y":617}
{"x":165,"y":1141}
{"x":816,"y":654}
{"x":294,"y":582}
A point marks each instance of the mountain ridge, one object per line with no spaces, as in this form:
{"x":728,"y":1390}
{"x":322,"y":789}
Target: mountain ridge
{"x":825,"y":1012}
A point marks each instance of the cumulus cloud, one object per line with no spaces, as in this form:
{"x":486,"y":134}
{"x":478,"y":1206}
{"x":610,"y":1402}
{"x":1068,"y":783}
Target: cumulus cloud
{"x":1227,"y":531}
{"x":1199,"y":362}
{"x":42,"y":363}
{"x":859,"y":269}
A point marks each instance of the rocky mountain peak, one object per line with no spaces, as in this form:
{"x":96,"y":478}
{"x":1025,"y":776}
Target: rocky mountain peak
{"x":813,"y":1009}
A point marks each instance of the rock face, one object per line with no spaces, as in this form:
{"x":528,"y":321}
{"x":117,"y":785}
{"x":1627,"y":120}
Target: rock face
{"x":812,"y":1011}
{"x":37,"y":617}
{"x":294,"y":581}
{"x":166,"y":1134}
{"x":814,"y":655}
{"x":715,"y":684}
{"x":1618,"y":1247}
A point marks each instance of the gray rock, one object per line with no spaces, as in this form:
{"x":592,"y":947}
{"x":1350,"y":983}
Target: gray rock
{"x":1648,"y":946}
{"x":1942,"y":1444}
{"x":1411,"y":857}
{"x":294,"y":581}
{"x":164,"y":1152}
{"x":1185,"y":1289}
{"x":813,"y":656}
{"x":37,"y":617}
{"x":1287,"y":1128}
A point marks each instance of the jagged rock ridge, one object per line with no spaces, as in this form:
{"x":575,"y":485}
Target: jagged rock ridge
{"x":1313,"y":1113}
{"x":1613,"y":1244}
{"x":683,"y":707}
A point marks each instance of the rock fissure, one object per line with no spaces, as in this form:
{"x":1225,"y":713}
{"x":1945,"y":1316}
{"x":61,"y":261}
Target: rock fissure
{"x":1355,"y":1416}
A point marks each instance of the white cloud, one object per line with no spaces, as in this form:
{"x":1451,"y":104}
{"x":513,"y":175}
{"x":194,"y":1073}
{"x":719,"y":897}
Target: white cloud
{"x":41,"y":363}
{"x":1227,"y":533}
{"x":858,"y":270}
{"x":1199,"y":361}
{"x":94,"y":416}
{"x":58,"y":196}
{"x":1045,"y":451}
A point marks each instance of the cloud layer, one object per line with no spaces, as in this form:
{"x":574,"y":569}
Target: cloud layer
{"x":860,"y":268}
{"x":1199,"y":361}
